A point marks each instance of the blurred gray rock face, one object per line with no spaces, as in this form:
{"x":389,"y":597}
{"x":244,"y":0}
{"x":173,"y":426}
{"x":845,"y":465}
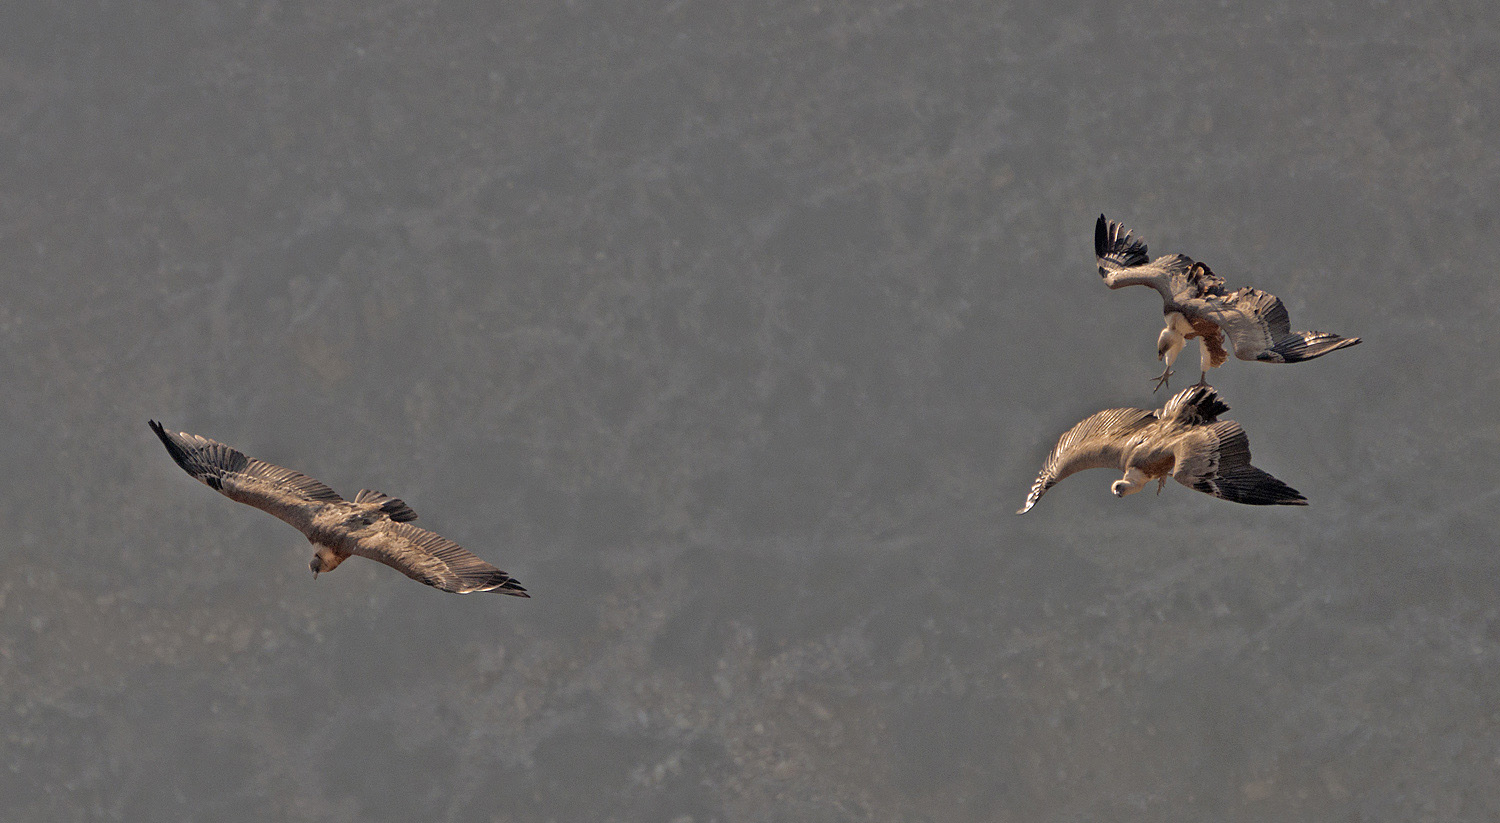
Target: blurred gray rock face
{"x":737,"y":334}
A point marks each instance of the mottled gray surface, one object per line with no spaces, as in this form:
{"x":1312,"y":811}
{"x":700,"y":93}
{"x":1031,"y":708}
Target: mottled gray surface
{"x":737,"y":332}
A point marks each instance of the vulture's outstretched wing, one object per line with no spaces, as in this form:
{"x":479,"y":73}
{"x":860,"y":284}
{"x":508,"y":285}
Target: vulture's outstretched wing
{"x":1258,"y":327}
{"x":1216,"y":460}
{"x":1099,"y":441}
{"x":289,"y":495}
{"x":1122,"y":261}
{"x":433,"y":559}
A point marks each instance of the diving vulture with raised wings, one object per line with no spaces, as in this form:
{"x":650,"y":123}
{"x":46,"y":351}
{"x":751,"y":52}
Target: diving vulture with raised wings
{"x":1196,"y":304}
{"x":1184,"y":440}
{"x":373,"y":526}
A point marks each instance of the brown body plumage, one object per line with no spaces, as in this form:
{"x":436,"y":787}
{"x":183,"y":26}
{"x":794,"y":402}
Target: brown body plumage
{"x":373,"y":525}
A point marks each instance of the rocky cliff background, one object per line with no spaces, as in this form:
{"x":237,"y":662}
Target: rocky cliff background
{"x":737,"y":334}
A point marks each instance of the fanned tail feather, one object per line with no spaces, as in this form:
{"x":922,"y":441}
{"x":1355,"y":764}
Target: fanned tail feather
{"x":391,"y":507}
{"x":1195,"y":405}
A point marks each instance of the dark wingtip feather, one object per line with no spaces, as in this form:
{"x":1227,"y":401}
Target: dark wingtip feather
{"x":1252,"y":487}
{"x":1279,"y":495}
{"x":1268,"y":491}
{"x":1114,"y":243}
{"x":179,"y":455}
{"x":507,"y":585}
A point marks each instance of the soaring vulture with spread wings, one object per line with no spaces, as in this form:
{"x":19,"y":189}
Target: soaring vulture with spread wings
{"x":1196,"y":304}
{"x":373,"y":526}
{"x":1183,"y":441}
